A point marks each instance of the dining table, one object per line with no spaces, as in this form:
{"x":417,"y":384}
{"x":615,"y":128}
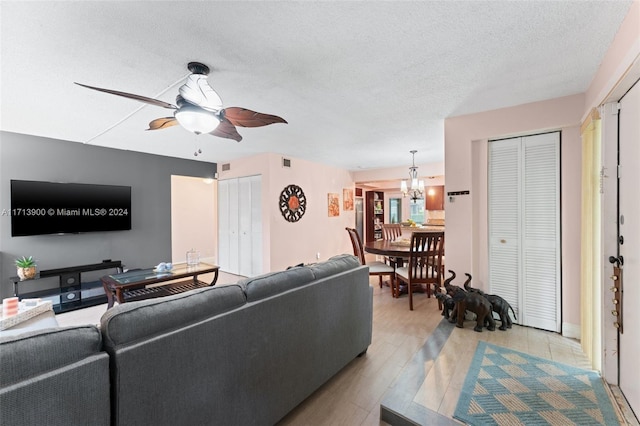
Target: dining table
{"x":399,"y":248}
{"x":397,"y":251}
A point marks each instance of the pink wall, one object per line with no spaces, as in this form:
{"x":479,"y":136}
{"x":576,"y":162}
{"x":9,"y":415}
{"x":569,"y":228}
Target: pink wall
{"x":285,"y":243}
{"x":624,"y":50}
{"x":193,"y":219}
{"x":466,"y":169}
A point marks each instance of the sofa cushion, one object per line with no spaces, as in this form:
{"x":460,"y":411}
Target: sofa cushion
{"x":133,"y":321}
{"x":37,"y":352}
{"x":273,"y":283}
{"x":335,"y":265}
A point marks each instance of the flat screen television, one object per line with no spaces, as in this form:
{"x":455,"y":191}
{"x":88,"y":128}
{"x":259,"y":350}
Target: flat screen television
{"x":39,"y":208}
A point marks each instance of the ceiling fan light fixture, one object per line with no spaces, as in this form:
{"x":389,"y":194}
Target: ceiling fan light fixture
{"x":196,"y":91}
{"x":196,"y":120}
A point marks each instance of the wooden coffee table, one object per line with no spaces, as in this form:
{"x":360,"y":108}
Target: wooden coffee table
{"x":138,"y":284}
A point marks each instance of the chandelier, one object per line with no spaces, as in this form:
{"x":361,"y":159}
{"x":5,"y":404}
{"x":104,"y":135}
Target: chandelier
{"x":417,"y":186}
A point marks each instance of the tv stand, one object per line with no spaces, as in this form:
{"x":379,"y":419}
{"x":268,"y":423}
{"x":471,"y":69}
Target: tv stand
{"x":72,"y":292}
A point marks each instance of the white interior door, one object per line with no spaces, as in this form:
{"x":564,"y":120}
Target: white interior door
{"x":223,"y":225}
{"x":244,"y":228}
{"x":256,"y":225}
{"x":250,"y":226}
{"x":524,"y":227}
{"x":240,"y":225}
{"x":629,"y":221}
{"x":541,"y":231}
{"x":234,"y":226}
{"x":504,"y":221}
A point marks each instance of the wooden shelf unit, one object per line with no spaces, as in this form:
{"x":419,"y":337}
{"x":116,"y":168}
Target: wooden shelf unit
{"x":374,"y":213}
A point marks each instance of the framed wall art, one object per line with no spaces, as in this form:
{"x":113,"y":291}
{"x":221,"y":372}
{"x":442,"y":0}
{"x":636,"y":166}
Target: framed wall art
{"x":293,"y":203}
{"x":334,"y":204}
{"x":347,"y":199}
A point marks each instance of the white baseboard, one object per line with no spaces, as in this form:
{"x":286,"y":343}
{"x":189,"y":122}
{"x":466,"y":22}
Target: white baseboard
{"x":571,"y":330}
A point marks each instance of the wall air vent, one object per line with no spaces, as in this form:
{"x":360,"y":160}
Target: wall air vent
{"x":286,"y":162}
{"x":226,"y":167}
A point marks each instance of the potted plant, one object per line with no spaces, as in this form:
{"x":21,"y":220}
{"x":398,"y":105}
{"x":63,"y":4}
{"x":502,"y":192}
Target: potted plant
{"x":26,"y":267}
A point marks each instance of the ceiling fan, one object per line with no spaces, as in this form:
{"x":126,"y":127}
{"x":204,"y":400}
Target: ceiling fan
{"x":199,"y":108}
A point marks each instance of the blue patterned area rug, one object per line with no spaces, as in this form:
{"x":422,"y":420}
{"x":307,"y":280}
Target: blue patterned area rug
{"x":506,"y":387}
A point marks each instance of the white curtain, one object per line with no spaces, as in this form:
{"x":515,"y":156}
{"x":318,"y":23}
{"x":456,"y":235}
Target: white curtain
{"x":590,"y":300}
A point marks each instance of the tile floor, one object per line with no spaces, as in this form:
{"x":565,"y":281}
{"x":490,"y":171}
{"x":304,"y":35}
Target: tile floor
{"x":355,"y":394}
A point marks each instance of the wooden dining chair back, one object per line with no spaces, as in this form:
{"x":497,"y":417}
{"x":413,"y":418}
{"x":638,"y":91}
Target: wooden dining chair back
{"x":425,"y":263}
{"x":376,"y":268}
{"x":356,"y":242}
{"x":391,"y":231}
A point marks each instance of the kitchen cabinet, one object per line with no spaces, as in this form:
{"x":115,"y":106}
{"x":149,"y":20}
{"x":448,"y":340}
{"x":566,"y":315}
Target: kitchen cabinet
{"x":435,"y":197}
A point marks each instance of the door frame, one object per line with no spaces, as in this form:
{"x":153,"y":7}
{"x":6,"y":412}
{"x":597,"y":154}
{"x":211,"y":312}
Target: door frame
{"x":613,"y":117}
{"x":609,"y":154}
{"x":609,"y":111}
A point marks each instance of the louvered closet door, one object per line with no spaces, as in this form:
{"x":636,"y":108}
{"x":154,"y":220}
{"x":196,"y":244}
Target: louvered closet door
{"x":541,"y":236}
{"x":224,"y":228}
{"x":504,"y":221}
{"x":240,"y":225}
{"x":524,"y":227}
{"x":250,"y":226}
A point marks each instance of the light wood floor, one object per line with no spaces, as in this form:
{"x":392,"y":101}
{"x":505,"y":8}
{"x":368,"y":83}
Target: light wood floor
{"x":353,"y":396}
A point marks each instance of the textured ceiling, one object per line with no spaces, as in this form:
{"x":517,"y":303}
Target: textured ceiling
{"x":360,"y":83}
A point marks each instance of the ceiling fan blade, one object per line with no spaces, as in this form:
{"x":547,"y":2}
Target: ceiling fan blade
{"x":226,"y":130}
{"x":162,"y":123}
{"x":246,"y":118}
{"x":144,"y":99}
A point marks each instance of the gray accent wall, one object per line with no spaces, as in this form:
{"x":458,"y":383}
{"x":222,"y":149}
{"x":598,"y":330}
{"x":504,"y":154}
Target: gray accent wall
{"x":26,"y":157}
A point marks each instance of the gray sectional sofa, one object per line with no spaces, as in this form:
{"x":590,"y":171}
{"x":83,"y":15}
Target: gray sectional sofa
{"x":239,"y":354}
{"x":54,"y":376}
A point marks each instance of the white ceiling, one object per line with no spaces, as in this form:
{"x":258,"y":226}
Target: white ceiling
{"x":360,"y":83}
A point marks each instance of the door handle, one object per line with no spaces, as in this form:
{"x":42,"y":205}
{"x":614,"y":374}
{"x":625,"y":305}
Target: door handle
{"x":618,"y":260}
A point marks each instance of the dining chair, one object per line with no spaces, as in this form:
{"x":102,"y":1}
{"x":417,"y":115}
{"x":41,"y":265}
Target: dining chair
{"x":425,"y":263}
{"x":391,"y":231}
{"x":375,"y":268}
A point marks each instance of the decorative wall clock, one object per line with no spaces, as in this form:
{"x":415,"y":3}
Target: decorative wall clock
{"x":293,"y":203}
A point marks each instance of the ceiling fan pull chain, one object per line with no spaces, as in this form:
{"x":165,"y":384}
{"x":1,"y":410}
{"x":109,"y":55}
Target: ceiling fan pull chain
{"x":195,"y":144}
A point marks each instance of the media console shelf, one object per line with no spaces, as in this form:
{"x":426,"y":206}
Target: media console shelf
{"x":72,"y":292}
